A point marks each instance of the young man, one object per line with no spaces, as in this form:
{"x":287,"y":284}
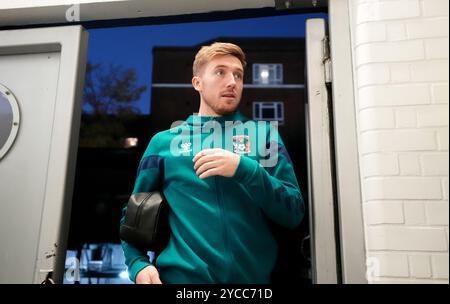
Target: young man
{"x":221,"y":187}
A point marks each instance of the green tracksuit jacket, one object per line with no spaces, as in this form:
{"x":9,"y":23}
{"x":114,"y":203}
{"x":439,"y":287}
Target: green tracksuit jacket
{"x":219,"y":225}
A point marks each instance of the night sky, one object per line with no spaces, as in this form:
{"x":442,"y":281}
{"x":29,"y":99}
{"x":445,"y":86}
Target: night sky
{"x":132,"y":46}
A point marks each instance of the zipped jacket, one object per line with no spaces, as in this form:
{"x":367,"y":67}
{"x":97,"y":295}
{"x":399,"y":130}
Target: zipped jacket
{"x":219,"y":225}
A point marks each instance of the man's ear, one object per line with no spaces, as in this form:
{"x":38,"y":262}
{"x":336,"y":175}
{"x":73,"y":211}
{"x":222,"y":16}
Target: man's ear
{"x":197,"y":83}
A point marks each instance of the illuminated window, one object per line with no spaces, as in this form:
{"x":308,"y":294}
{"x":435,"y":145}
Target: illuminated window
{"x":130,"y":142}
{"x":267,"y":73}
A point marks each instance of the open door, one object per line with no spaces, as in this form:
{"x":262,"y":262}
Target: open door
{"x":320,"y":158}
{"x":41,"y":81}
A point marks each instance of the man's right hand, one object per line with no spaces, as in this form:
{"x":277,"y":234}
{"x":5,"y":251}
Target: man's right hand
{"x":148,"y":275}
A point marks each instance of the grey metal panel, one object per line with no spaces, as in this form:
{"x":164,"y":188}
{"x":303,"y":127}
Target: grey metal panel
{"x":319,"y":159}
{"x":36,"y":176}
{"x":346,"y":146}
{"x":23,"y":171}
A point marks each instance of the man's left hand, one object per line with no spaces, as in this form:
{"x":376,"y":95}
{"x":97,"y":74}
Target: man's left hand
{"x":211,"y":162}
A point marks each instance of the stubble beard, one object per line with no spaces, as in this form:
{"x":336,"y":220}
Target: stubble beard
{"x":223,"y":108}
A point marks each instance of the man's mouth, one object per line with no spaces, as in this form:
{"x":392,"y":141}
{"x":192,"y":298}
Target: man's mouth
{"x":229,"y":95}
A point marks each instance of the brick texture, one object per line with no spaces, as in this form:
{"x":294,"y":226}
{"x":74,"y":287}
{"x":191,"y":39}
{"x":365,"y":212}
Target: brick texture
{"x":400,"y":54}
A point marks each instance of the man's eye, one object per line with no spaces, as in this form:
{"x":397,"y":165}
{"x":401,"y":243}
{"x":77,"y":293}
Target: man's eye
{"x":238,"y":76}
{"x":219,"y":72}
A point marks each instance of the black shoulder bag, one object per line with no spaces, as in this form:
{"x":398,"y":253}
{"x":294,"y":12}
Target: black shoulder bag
{"x":146,"y":224}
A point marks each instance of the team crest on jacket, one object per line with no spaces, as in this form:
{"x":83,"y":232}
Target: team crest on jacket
{"x":241,"y":144}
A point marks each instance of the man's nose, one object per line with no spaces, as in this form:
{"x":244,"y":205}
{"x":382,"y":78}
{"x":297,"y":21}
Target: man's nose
{"x":231,"y":81}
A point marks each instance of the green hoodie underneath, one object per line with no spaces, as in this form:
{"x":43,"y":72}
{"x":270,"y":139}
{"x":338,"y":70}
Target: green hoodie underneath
{"x":220,"y":225}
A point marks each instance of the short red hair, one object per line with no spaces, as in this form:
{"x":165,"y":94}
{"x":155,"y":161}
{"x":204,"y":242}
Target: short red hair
{"x":208,"y":52}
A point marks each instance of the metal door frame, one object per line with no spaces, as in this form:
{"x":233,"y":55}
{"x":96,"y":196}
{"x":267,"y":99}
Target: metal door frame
{"x":348,"y":182}
{"x":320,"y":159}
{"x":349,"y":261}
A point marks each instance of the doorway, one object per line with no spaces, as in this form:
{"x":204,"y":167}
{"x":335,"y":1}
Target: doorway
{"x":102,"y":189}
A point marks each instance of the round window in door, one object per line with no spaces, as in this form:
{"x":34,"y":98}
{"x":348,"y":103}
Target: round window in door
{"x":9,"y":120}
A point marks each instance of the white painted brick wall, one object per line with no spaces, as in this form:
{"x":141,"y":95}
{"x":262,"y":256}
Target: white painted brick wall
{"x":373,"y":74}
{"x":442,"y":134}
{"x":414,"y":213}
{"x":434,"y":8}
{"x":399,"y":140}
{"x":420,"y":266}
{"x":434,"y":164}
{"x":372,"y":119}
{"x":445,"y":188}
{"x":427,"y":27}
{"x":406,"y":118}
{"x":385,"y":10}
{"x":370,"y":32}
{"x":439,"y":93}
{"x":396,"y":31}
{"x":380,"y":164}
{"x":399,"y":73}
{"x":402,"y":188}
{"x":384,"y":212}
{"x":400,"y":55}
{"x":440,"y":266}
{"x":390,"y":52}
{"x":437,"y":213}
{"x":436,"y":48}
{"x":392,"y":264}
{"x":432,"y":116}
{"x":405,"y":238}
{"x":409,"y":164}
{"x":429,"y":70}
{"x":376,"y":95}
